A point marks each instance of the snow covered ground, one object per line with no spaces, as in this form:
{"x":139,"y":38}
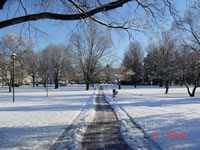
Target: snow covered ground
{"x":172,"y":121}
{"x":35,"y":121}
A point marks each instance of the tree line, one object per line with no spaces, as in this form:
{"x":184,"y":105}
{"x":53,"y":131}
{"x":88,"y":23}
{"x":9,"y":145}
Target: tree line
{"x":173,"y":59}
{"x":80,"y":60}
{"x":167,"y":63}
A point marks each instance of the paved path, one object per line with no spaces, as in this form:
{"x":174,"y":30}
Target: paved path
{"x":104,"y":132}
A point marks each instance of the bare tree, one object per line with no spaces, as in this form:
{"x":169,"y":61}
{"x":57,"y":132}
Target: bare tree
{"x":10,"y":43}
{"x":90,"y":45}
{"x":133,"y":61}
{"x":54,"y":63}
{"x":188,"y":30}
{"x":189,"y":24}
{"x":30,"y":59}
{"x":3,"y":70}
{"x":108,"y":73}
{"x":43,"y":70}
{"x":188,"y":69}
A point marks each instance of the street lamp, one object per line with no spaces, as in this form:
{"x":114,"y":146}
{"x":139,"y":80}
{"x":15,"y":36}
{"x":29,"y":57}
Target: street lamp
{"x":47,"y":82}
{"x":47,"y":90}
{"x":13,"y":56}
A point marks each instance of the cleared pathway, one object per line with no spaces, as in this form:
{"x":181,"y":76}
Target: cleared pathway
{"x":104,"y":131}
{"x":97,"y":128}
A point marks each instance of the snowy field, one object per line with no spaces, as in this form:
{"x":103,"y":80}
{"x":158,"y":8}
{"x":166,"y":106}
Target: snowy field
{"x":172,"y":121}
{"x":34,"y":121}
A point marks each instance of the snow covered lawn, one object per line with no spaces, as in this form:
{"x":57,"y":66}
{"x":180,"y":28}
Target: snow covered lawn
{"x":34,"y":121}
{"x":173,"y":120}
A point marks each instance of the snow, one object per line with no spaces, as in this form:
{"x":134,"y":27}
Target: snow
{"x":35,"y":121}
{"x":173,"y":118}
{"x":71,"y":138}
{"x":133,"y":135}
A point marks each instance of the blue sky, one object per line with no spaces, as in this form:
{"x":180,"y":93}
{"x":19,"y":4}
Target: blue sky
{"x":53,"y":32}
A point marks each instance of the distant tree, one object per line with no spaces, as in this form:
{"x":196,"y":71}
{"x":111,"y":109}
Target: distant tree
{"x":188,"y":69}
{"x":90,"y":46}
{"x":54,"y":62}
{"x":108,"y":73}
{"x":133,"y":61}
{"x":151,"y":65}
{"x":105,"y":73}
{"x":10,"y":43}
{"x":3,"y":70}
{"x":44,"y":65}
{"x":30,"y":59}
{"x":160,"y":62}
{"x":187,"y":29}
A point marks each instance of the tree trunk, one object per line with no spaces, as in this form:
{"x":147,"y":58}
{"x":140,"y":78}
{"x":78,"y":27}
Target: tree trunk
{"x":166,"y":87}
{"x":10,"y":85}
{"x":44,"y":84}
{"x":193,"y":91}
{"x":191,"y":94}
{"x":33,"y":80}
{"x":87,"y":86}
{"x":10,"y":89}
{"x":56,"y":80}
{"x":56,"y":83}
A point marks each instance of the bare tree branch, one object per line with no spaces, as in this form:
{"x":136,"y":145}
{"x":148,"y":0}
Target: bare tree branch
{"x":194,"y":35}
{"x":145,"y":7}
{"x":96,"y":20}
{"x":2,"y":3}
{"x":23,"y":7}
{"x":57,"y":16}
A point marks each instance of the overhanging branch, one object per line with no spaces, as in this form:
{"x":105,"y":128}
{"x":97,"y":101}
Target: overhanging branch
{"x":56,"y":16}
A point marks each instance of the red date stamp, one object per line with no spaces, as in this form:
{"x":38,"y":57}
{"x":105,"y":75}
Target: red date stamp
{"x":174,"y":135}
